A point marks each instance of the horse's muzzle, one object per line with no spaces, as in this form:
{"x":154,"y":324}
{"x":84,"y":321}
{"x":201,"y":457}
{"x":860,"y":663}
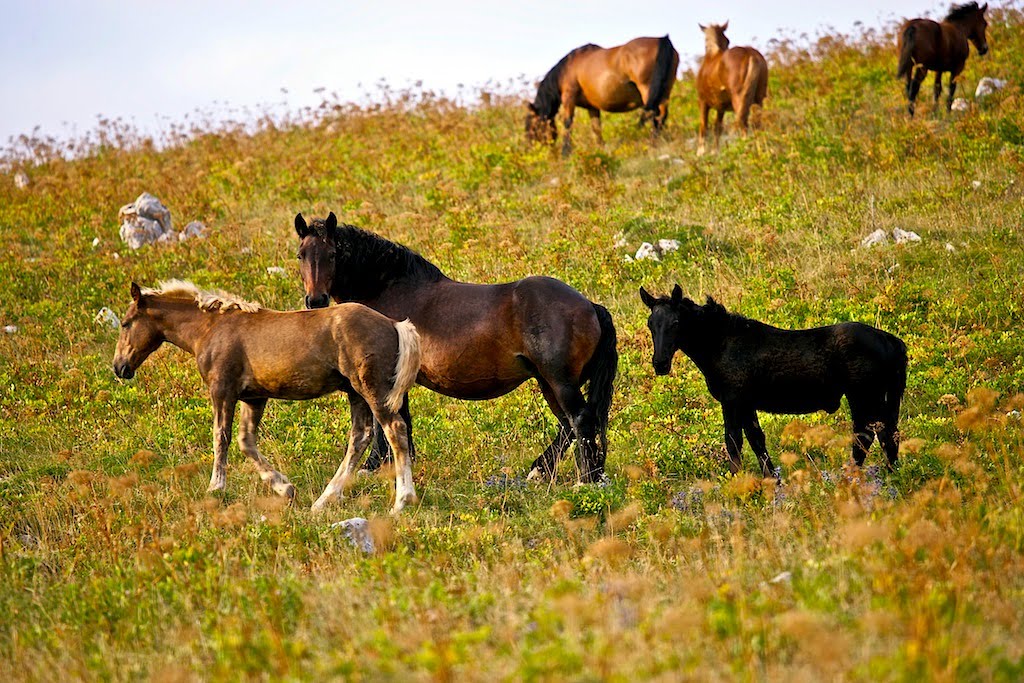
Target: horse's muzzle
{"x":983,"y":50}
{"x":318,"y":301}
{"x":123,"y":370}
{"x":662,"y":368}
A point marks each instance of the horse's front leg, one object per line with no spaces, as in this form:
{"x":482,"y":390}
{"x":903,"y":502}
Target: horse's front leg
{"x":223,"y":418}
{"x":733,"y":436}
{"x":248,"y":427}
{"x":702,"y":132}
{"x":719,"y":115}
{"x":595,"y":125}
{"x":914,"y":86}
{"x":358,"y":438}
{"x":938,"y":88}
{"x":567,"y":136}
{"x":755,"y":435}
{"x":953,"y":76}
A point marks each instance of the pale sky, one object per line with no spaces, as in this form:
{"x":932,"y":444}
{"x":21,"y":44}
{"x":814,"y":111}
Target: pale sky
{"x":64,"y":64}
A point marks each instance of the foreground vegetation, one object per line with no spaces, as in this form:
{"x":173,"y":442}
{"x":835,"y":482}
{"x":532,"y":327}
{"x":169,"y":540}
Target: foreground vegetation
{"x":114,"y":564}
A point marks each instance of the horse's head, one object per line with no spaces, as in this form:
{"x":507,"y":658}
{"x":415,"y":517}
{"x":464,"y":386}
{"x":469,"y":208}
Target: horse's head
{"x":140,"y":336}
{"x":539,"y":128}
{"x":667,"y":322}
{"x":971,"y":20}
{"x":317,"y":253}
{"x":714,"y":37}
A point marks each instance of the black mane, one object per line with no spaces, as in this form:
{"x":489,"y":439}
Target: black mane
{"x":959,"y":12}
{"x":549,"y":96}
{"x":366,"y":263}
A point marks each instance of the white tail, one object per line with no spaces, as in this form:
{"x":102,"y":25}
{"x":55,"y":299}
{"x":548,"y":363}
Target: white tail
{"x":407,"y":367}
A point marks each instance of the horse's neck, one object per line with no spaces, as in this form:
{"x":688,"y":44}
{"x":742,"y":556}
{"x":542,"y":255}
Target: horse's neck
{"x":404,"y":297}
{"x":712,"y":48}
{"x":186,"y":326}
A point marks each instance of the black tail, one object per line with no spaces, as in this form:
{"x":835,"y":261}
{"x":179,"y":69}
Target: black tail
{"x":906,"y":52}
{"x":600,"y":371}
{"x":662,"y":76}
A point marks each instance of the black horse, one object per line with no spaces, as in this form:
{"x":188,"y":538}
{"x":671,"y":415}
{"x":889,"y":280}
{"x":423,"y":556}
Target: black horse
{"x":478,"y":341}
{"x":751,"y":366}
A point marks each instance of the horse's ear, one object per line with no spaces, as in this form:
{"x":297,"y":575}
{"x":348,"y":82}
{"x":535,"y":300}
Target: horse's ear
{"x":530,"y":108}
{"x":301,"y":229}
{"x":710,"y":301}
{"x":136,"y":292}
{"x":984,"y":7}
{"x":725,"y":26}
{"x":331,"y":223}
{"x":702,"y":27}
{"x":648,"y":300}
{"x":677,"y":295}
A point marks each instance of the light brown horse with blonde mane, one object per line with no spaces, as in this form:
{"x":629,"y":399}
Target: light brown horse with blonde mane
{"x":640,"y":73}
{"x":247,"y":354}
{"x":729,"y":78}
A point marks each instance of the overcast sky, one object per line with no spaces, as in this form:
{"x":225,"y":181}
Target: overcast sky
{"x":150,"y":63}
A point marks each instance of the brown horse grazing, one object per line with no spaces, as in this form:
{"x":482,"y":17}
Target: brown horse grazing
{"x":733,"y":78}
{"x":927,"y":45}
{"x":479,"y":341}
{"x":247,"y":354}
{"x":640,"y":73}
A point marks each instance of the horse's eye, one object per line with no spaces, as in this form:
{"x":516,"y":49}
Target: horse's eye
{"x":125,"y":324}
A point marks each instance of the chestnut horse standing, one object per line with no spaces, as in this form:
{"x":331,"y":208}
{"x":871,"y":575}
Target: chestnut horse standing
{"x":733,"y":78}
{"x":478,"y":341}
{"x":927,"y":45}
{"x":247,"y":354}
{"x":640,"y":73}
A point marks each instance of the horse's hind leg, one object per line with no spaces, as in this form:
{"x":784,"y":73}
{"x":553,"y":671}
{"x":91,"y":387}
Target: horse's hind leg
{"x":731,"y":416}
{"x":863,"y":413}
{"x":358,"y":438}
{"x":595,"y":125}
{"x":755,"y":435}
{"x":248,"y":426}
{"x":380,"y":452}
{"x":914,"y":86}
{"x":545,"y":464}
{"x":953,"y":76}
{"x":398,"y":437}
{"x":223,"y":417}
{"x":584,"y":428}
{"x":719,"y":115}
{"x":938,"y":88}
{"x":702,"y":131}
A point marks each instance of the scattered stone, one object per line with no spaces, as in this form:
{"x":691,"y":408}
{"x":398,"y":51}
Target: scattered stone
{"x":21,"y":180}
{"x":874,"y":239}
{"x":620,"y":241}
{"x":987,"y":86}
{"x":647,"y":252}
{"x":357,"y":531}
{"x":193,"y":229}
{"x":783,"y":577}
{"x":105,"y":316}
{"x":960,"y":104}
{"x":276,"y":270}
{"x":95,"y":242}
{"x":10,"y":329}
{"x":555,"y":182}
{"x":665,"y":246}
{"x":664,"y":157}
{"x":904,"y":236}
{"x":144,"y":221}
{"x":950,"y":247}
{"x":975,"y":184}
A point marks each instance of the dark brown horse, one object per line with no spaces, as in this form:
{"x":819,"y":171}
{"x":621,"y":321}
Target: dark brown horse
{"x":247,"y":354}
{"x":640,"y":73}
{"x":927,"y":45}
{"x":479,"y":341}
{"x":729,"y":78}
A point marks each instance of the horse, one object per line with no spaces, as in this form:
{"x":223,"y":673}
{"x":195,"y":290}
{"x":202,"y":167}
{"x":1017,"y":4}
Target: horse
{"x":640,"y":73}
{"x":480,"y":341}
{"x":729,"y":78}
{"x":247,"y":354}
{"x":926,"y":45}
{"x":750,"y":366}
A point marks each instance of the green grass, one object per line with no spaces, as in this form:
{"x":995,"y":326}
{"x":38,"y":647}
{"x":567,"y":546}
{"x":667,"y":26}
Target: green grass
{"x":114,"y":564}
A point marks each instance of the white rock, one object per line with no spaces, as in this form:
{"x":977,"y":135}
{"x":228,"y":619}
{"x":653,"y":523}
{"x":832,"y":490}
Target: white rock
{"x":95,"y":242}
{"x":678,"y":162}
{"x":21,"y":180}
{"x":105,"y":316}
{"x":193,"y":229}
{"x":987,"y":86}
{"x":357,"y":531}
{"x":904,"y":236}
{"x":665,"y":246}
{"x":960,"y":104}
{"x":950,"y":247}
{"x":620,"y":240}
{"x":144,"y":221}
{"x":647,"y":252}
{"x":554,"y":182}
{"x":10,"y":329}
{"x":975,"y":184}
{"x":1013,"y":414}
{"x":276,"y":270}
{"x":664,"y":157}
{"x":875,"y":238}
{"x":784,"y":577}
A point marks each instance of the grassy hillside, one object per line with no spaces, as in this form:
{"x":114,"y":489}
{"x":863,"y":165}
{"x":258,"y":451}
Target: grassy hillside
{"x":114,"y":564}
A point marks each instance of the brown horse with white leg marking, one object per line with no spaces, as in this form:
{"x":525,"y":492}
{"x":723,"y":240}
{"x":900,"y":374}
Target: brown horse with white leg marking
{"x":927,"y":45}
{"x":729,"y":78}
{"x":479,"y":341}
{"x":247,"y":354}
{"x":640,"y":73}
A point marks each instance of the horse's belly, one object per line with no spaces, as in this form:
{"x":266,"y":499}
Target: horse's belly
{"x":478,"y":389}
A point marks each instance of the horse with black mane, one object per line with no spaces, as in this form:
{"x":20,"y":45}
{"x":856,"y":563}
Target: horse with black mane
{"x":750,"y":366}
{"x":478,"y":341}
{"x":927,"y":45}
{"x":640,"y":73}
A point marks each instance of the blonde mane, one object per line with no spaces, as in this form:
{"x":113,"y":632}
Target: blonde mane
{"x":207,"y":300}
